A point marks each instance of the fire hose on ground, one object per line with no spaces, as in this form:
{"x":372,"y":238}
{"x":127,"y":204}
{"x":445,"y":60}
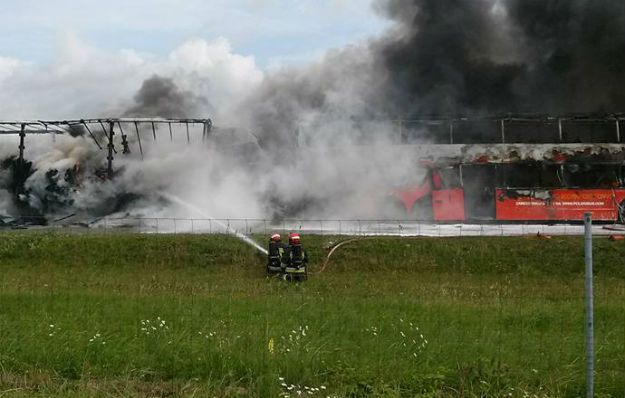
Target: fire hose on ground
{"x":334,"y":248}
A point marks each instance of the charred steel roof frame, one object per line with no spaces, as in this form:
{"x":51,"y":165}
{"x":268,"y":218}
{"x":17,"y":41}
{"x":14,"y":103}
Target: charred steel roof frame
{"x":59,"y":126}
{"x":502,"y":120}
{"x":520,"y":117}
{"x":26,"y":127}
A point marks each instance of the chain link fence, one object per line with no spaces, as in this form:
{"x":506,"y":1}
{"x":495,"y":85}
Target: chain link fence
{"x":335,"y":227}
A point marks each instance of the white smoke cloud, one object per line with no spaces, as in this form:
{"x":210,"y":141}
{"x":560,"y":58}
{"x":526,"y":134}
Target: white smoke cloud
{"x":213,"y":70}
{"x":309,"y":164}
{"x":83,"y":81}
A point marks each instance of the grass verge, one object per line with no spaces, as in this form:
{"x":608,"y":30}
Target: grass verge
{"x":145,"y":315}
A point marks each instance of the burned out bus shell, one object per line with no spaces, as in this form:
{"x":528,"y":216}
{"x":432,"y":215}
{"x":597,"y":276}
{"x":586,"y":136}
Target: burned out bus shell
{"x":500,"y":192}
{"x":518,"y":168}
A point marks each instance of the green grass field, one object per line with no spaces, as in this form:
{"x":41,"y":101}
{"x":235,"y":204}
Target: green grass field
{"x":158,"y":316}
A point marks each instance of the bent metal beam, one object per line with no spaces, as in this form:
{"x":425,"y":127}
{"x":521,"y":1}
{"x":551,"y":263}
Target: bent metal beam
{"x":22,"y":128}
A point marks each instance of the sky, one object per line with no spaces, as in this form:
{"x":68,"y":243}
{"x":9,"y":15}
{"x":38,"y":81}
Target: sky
{"x":273,"y":32}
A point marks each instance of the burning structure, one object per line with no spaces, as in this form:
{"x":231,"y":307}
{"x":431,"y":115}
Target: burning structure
{"x":505,"y":169}
{"x":95,"y":143}
{"x":322,"y":142}
{"x":522,"y":169}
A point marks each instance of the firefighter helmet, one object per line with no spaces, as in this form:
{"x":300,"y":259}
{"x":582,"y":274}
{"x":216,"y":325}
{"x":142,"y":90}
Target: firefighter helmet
{"x":275,"y":238}
{"x":294,"y":239}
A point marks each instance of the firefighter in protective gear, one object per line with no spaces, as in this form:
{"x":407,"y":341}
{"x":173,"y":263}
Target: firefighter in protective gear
{"x":295,"y":260}
{"x":274,"y":255}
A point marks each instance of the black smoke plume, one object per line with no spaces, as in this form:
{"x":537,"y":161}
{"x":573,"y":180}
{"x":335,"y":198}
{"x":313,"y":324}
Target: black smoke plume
{"x":453,"y":57}
{"x":449,"y":58}
{"x":161,"y":97}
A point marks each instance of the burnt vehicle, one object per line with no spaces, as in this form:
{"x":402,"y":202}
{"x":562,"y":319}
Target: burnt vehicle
{"x":543,"y":170}
{"x":524,"y":191}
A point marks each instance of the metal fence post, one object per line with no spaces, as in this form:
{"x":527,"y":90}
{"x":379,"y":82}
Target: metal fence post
{"x":590,"y":349}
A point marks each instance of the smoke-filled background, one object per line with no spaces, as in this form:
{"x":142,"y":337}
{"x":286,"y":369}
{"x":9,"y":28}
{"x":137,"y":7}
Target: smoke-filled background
{"x":312,"y":140}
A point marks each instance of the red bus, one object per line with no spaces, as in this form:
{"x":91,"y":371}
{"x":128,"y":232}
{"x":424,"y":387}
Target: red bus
{"x":541,"y":191}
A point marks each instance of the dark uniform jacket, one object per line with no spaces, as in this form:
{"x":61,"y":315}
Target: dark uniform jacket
{"x":295,"y":257}
{"x":274,"y":255}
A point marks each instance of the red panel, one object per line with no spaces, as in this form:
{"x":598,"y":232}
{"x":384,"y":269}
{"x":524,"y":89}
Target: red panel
{"x":558,"y":204}
{"x":410,"y":195}
{"x":448,"y":204}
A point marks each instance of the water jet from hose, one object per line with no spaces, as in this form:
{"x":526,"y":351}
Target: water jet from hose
{"x":239,"y":235}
